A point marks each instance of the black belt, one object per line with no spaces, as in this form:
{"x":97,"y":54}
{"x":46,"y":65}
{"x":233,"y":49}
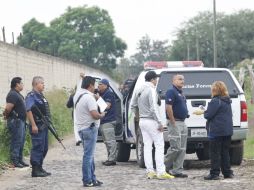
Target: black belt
{"x":14,"y":117}
{"x":176,"y":119}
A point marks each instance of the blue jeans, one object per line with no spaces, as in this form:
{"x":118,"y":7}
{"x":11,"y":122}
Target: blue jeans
{"x":89,"y":138}
{"x":17,"y":131}
{"x":39,"y":146}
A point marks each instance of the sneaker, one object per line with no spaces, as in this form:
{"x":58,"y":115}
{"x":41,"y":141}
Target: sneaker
{"x":179,"y":175}
{"x":88,"y":184}
{"x":97,"y":183}
{"x":230,"y":176}
{"x":109,"y":163}
{"x":151,"y":175}
{"x":78,"y":143}
{"x":165,"y":176}
{"x":211,"y":177}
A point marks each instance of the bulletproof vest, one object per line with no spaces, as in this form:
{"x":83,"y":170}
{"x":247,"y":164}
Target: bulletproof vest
{"x":41,"y":108}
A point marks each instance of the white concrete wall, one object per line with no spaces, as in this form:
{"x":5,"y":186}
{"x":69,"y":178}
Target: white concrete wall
{"x":59,"y":73}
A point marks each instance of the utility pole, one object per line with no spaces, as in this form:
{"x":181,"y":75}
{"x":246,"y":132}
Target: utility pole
{"x":188,"y":51}
{"x":3,"y":30}
{"x":13,"y":38}
{"x":197,"y":45}
{"x":214,"y":36}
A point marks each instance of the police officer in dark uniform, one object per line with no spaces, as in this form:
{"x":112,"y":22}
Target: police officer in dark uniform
{"x":108,"y":123}
{"x":37,"y":107}
{"x":15,"y":113}
{"x":176,"y":112}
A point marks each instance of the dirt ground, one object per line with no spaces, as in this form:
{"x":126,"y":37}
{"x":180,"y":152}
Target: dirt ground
{"x":65,"y":166}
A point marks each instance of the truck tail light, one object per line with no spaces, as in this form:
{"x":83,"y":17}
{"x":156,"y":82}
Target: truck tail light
{"x":244,"y":111}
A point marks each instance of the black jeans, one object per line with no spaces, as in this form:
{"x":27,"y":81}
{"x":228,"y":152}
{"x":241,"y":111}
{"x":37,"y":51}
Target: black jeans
{"x":219,"y":154}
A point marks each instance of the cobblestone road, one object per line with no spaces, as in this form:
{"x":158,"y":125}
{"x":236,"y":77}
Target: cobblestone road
{"x":65,"y":167}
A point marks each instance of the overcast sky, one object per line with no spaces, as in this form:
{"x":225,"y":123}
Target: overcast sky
{"x":132,"y":18}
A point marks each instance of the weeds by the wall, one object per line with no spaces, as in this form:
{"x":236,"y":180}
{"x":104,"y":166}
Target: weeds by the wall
{"x":61,"y":115}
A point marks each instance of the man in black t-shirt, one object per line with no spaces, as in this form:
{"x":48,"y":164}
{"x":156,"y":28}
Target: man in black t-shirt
{"x":15,"y":113}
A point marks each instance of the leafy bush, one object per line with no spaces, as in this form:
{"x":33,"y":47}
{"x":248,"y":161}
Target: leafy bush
{"x":249,"y":143}
{"x":4,"y":142}
{"x":61,"y":115}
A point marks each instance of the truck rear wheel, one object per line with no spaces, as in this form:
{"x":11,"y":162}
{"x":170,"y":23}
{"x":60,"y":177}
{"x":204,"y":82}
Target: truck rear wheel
{"x":203,"y":154}
{"x":123,"y":152}
{"x":140,"y":149}
{"x":236,"y":153}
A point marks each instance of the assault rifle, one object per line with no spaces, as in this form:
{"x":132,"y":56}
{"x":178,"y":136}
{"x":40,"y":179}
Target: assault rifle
{"x":46,"y":121}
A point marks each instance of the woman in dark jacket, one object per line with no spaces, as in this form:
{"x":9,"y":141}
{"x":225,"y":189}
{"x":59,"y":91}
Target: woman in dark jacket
{"x":219,"y":130}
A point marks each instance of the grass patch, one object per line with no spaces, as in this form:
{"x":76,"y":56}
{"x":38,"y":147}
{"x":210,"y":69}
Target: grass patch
{"x":61,"y":115}
{"x":4,"y":143}
{"x":249,"y":142}
{"x":248,"y":148}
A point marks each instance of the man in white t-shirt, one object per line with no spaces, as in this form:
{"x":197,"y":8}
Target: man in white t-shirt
{"x":87,"y":121}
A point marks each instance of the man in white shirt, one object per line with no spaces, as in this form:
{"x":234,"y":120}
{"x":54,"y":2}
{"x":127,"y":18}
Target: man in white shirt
{"x":87,"y":121}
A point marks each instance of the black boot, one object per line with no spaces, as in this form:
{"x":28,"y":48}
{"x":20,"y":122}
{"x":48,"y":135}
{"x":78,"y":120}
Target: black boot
{"x":48,"y":173}
{"x":36,"y":172}
{"x":211,"y":177}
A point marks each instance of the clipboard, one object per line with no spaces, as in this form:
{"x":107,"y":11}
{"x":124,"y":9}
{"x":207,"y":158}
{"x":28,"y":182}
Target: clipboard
{"x":102,"y":104}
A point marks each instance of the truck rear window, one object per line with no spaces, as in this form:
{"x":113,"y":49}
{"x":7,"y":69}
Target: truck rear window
{"x":197,"y":83}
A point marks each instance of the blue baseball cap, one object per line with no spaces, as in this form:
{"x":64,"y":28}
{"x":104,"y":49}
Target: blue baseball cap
{"x":104,"y":81}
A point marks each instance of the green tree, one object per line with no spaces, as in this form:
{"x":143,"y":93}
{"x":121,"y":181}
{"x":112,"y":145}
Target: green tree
{"x":128,"y":68}
{"x":194,"y":40}
{"x":237,"y":37}
{"x":81,"y":34}
{"x":38,"y":37}
{"x":149,"y":50}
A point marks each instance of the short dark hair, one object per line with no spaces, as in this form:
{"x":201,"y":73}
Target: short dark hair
{"x":150,"y":75}
{"x":15,"y":81}
{"x":86,"y":81}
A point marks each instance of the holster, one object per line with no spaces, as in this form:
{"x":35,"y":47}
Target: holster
{"x":92,"y":125}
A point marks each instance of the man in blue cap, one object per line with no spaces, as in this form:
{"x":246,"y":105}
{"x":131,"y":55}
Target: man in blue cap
{"x":108,"y":123}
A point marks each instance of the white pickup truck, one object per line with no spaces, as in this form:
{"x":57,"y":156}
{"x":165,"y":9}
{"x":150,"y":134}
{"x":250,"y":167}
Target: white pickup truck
{"x":198,"y":81}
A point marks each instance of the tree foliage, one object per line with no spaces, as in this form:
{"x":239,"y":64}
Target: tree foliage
{"x":82,"y":34}
{"x":235,"y":38}
{"x":148,"y":50}
{"x":37,"y":36}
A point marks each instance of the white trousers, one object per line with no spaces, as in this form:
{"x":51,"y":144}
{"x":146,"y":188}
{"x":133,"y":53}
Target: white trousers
{"x":151,"y":134}
{"x":76,"y":134}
